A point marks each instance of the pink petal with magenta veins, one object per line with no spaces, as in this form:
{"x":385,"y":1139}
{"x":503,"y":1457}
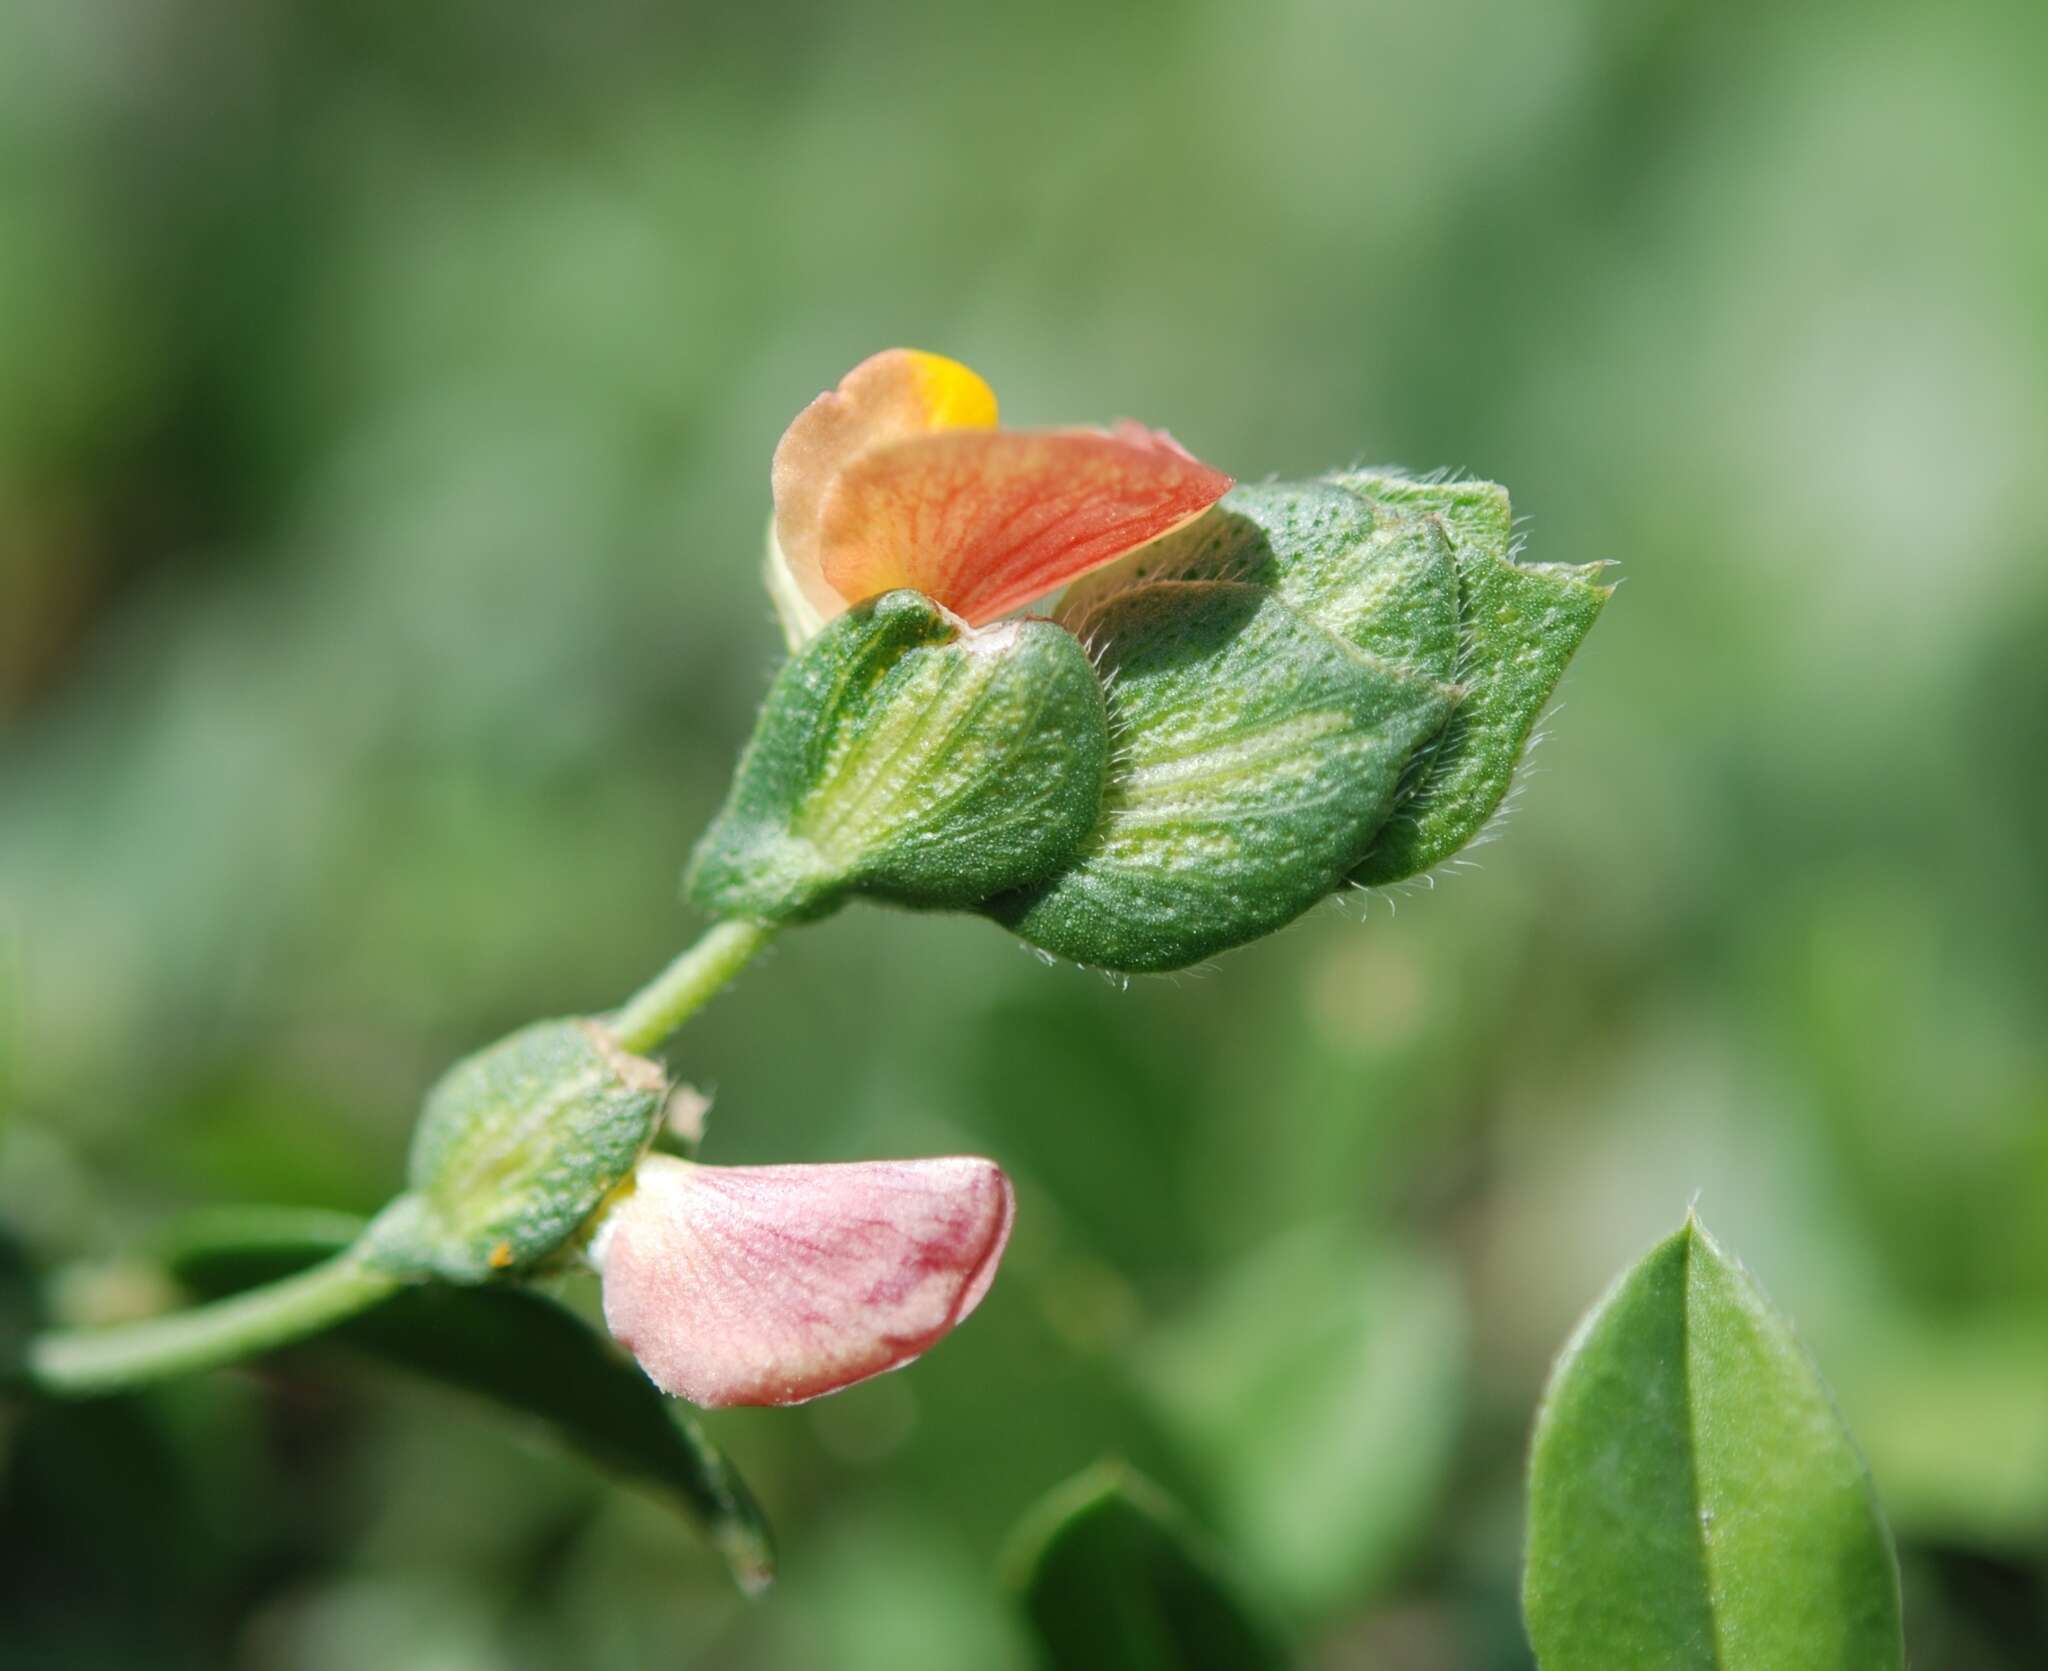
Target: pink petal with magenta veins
{"x":985,"y":520}
{"x":776,"y":1284}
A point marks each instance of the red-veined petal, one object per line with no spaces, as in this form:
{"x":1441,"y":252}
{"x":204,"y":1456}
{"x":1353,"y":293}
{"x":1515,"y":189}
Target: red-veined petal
{"x":776,"y":1284}
{"x":985,"y":520}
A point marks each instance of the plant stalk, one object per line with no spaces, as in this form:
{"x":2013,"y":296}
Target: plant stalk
{"x":687,"y":985}
{"x":76,"y":1362}
{"x":86,"y":1361}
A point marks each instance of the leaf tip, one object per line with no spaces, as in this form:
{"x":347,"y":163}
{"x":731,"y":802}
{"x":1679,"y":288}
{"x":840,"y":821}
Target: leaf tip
{"x":749,"y":1557}
{"x":1100,"y":1482}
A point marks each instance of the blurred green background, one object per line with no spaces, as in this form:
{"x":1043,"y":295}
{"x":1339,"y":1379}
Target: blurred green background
{"x":386,"y":395}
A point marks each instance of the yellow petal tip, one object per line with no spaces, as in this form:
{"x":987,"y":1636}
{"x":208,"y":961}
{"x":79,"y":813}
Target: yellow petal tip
{"x":953,"y":396}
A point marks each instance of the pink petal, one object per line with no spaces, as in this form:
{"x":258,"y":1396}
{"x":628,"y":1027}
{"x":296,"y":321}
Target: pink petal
{"x":775,"y":1284}
{"x":985,"y":520}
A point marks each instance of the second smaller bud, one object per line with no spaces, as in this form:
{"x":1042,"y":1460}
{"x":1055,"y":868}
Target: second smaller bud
{"x":516,"y":1147}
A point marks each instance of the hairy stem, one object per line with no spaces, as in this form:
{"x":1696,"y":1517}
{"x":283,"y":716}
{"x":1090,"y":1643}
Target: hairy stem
{"x":82,"y":1361}
{"x":86,"y":1361}
{"x":687,"y":985}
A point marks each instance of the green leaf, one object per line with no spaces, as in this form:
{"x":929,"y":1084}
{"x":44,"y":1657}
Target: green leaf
{"x":1695,"y":1503}
{"x":532,"y":1357}
{"x":516,"y":1146}
{"x":906,"y":755}
{"x":1111,"y":1579}
{"x":1519,"y":626}
{"x":1256,"y":756}
{"x":1320,"y":1389}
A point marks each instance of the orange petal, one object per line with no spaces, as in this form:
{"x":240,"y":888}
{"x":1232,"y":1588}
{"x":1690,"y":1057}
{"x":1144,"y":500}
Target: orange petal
{"x":985,"y":520}
{"x":890,"y":396}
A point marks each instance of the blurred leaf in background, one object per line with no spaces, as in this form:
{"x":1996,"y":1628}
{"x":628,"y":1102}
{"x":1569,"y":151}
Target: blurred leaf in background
{"x":1317,"y":1390}
{"x":1110,"y":1576}
{"x":517,"y":1350}
{"x":385,"y":406}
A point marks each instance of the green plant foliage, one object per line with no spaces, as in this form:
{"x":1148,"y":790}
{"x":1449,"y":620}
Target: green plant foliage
{"x":18,"y":1309}
{"x":1518,"y":627}
{"x":1319,"y":1390}
{"x":1216,"y":825}
{"x":1379,"y":578}
{"x":1317,"y":682}
{"x":1420,"y":573}
{"x":386,"y":399}
{"x":515,"y":1148}
{"x":904,"y":755}
{"x":1112,"y":1579}
{"x":1694,"y":1499}
{"x":1256,"y":755}
{"x":515,"y":1348}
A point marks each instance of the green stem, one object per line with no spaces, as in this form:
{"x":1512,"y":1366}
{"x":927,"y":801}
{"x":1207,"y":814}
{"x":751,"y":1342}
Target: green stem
{"x":82,"y":1361}
{"x":107,"y":1360}
{"x":687,"y":985}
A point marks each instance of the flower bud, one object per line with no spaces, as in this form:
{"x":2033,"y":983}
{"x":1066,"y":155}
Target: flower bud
{"x":1519,"y":626}
{"x":905,"y":754}
{"x":516,"y":1147}
{"x":1258,"y":754}
{"x":1318,"y":683}
{"x":777,"y":1284}
{"x":1379,"y":578}
{"x":1312,"y":685}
